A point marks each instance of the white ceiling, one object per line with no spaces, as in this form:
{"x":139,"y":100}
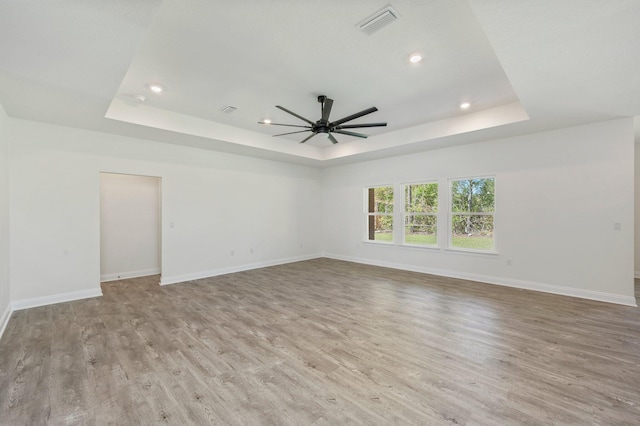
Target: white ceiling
{"x":524,"y":66}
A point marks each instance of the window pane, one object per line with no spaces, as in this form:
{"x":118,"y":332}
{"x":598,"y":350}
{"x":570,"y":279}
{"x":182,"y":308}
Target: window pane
{"x":421,"y":198}
{"x":472,"y":232}
{"x":473,"y":195}
{"x":380,"y":228}
{"x":380,"y":200}
{"x":421,"y":229}
{"x":379,"y":213}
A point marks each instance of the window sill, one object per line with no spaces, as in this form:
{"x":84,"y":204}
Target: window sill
{"x":379,"y":243}
{"x":433,"y":248}
{"x":471,"y":251}
{"x":420,"y":247}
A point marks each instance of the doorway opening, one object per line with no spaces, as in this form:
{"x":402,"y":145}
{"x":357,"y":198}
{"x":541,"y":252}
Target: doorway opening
{"x":130,"y":226}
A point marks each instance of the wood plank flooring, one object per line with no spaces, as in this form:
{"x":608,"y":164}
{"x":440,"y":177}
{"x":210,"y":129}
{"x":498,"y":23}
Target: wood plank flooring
{"x":321,"y":342}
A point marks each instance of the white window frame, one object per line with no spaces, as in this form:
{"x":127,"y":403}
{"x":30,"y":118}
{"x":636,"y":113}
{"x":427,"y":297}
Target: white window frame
{"x":436,"y":214}
{"x":367,"y":214}
{"x":451,"y":214}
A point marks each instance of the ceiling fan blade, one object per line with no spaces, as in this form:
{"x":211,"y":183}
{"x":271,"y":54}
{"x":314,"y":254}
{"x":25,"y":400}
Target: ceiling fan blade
{"x":355,"y":126}
{"x":291,"y":133}
{"x":295,"y":115}
{"x":326,"y":109}
{"x":353,"y":116}
{"x":308,"y":137}
{"x":344,"y":132}
{"x":332,"y":139}
{"x":288,"y":125}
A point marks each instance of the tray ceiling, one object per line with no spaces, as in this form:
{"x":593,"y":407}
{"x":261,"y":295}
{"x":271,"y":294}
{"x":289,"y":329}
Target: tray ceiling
{"x":523,"y":68}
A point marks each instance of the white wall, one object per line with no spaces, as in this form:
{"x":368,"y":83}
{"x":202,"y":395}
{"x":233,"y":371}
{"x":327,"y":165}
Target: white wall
{"x":218,"y":203}
{"x":637,"y":209}
{"x":129,"y":226}
{"x":558,"y":194}
{"x":4,"y":219}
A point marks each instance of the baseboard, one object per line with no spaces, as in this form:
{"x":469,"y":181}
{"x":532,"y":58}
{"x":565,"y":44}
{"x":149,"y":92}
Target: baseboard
{"x":4,"y":319}
{"x":56,"y":298}
{"x":506,"y":282}
{"x":230,"y":270}
{"x":130,"y":274}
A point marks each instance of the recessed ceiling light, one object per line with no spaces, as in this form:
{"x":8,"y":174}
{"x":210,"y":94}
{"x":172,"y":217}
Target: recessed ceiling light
{"x":465,"y":105}
{"x":266,"y":121}
{"x":156,"y":88}
{"x":140,"y":98}
{"x":415,"y":58}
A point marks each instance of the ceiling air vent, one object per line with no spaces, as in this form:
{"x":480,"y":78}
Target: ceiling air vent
{"x":228,"y":109}
{"x":378,"y":20}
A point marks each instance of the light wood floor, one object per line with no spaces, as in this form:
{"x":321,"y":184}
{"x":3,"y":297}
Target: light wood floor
{"x":321,"y":342}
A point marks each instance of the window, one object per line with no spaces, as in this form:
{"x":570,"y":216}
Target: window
{"x":421,"y":214}
{"x":380,"y":213}
{"x":472,"y":210}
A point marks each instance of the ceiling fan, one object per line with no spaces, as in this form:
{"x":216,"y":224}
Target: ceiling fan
{"x":324,"y":125}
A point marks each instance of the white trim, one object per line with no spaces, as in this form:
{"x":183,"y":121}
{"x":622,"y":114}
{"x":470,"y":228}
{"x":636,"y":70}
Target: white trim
{"x":433,"y":247}
{"x":380,"y":243}
{"x":55,"y":298}
{"x":130,"y":274}
{"x":367,"y":213}
{"x":230,"y":270}
{"x":471,"y":251}
{"x":507,"y":282}
{"x":4,"y":319}
{"x":405,"y":214}
{"x":451,"y":213}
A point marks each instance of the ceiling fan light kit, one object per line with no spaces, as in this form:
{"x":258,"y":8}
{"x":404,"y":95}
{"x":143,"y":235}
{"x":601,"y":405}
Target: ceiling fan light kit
{"x":324,"y":126}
